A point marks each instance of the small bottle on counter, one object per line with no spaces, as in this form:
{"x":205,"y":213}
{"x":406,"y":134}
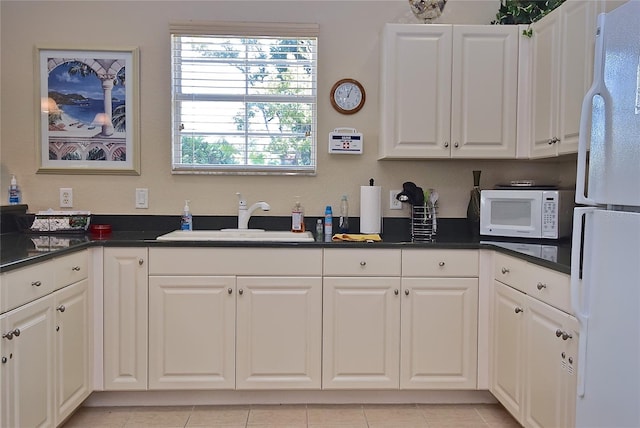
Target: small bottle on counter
{"x":14,"y":191}
{"x":328,"y":222}
{"x":297,"y":218}
{"x":344,"y":215}
{"x":319,"y":230}
{"x":186,"y":222}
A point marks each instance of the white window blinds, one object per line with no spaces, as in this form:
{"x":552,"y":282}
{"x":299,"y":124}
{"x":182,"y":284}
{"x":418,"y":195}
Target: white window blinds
{"x":244,"y":98}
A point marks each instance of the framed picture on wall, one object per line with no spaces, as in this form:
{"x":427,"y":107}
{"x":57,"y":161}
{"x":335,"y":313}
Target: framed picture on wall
{"x":88,"y":101}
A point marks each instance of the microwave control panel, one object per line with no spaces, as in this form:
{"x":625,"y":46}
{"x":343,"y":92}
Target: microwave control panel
{"x":549,"y":215}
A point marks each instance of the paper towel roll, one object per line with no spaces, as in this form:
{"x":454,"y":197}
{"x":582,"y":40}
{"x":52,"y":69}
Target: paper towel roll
{"x":370,"y":209}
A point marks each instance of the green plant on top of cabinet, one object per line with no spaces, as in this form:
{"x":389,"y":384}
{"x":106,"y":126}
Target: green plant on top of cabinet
{"x":448,"y":91}
{"x":556,"y":72}
{"x":125,"y":318}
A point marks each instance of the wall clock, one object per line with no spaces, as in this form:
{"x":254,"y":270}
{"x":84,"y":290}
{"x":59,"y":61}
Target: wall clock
{"x":347,"y":96}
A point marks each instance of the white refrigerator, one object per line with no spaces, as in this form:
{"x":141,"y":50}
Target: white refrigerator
{"x":605,"y":262}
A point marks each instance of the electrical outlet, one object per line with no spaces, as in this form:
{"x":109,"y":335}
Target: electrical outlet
{"x":394,"y":204}
{"x":66,"y":197}
{"x":142,"y":198}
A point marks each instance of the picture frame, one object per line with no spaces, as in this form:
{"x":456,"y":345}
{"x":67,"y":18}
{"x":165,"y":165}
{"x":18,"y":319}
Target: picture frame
{"x":88,"y":102}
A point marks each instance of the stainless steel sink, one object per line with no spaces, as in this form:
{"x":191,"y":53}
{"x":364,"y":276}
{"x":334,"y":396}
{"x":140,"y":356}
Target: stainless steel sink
{"x":254,"y":235}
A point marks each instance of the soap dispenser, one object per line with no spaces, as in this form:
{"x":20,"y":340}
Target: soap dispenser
{"x":297,"y":218}
{"x":187,"y":219}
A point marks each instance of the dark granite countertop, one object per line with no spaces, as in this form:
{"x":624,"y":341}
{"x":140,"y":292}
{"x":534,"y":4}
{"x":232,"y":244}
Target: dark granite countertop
{"x":21,"y":249}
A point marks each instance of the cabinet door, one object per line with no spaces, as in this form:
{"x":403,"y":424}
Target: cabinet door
{"x":361,"y":321}
{"x":544,"y":402}
{"x":28,"y":375}
{"x":546,"y":47}
{"x":415,"y":91}
{"x":279,"y":333}
{"x":439,"y":333}
{"x":484,"y":91}
{"x":125,"y":318}
{"x":578,"y":40}
{"x":72,"y":348}
{"x":507,"y":342}
{"x":191,"y":332}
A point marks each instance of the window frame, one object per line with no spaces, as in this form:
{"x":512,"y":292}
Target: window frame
{"x":243,"y":30}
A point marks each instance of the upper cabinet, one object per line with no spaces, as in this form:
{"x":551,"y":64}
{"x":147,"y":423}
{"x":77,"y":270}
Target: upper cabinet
{"x":448,"y":91}
{"x":556,"y":69}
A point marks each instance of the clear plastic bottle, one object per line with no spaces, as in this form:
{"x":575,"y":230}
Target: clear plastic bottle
{"x":344,"y":215}
{"x":186,"y":222}
{"x":297,"y":218}
{"x":319,"y":230}
{"x":14,"y":191}
{"x":328,"y":222}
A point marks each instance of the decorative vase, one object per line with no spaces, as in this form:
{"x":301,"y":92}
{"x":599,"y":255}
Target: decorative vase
{"x":427,"y":10}
{"x":473,"y":209}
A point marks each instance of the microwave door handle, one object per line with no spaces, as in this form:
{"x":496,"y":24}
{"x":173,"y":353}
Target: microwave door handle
{"x":597,"y":88}
{"x":581,"y":289}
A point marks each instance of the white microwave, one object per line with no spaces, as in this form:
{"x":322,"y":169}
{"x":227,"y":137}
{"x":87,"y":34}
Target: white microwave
{"x":545,"y":214}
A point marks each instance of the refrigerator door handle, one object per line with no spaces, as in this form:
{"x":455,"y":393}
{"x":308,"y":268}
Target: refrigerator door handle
{"x":580,"y":290}
{"x":597,"y":88}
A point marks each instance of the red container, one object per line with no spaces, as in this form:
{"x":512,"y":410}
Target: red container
{"x":100,"y":231}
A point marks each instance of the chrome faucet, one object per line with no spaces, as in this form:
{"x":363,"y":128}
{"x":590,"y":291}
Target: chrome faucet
{"x":244,"y":213}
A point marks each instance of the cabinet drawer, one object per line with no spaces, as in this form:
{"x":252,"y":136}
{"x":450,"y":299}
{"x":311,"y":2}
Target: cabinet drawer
{"x":27,"y":284}
{"x":235,"y":261}
{"x":439,"y":263}
{"x":362,"y":262}
{"x":71,"y":268}
{"x":539,"y":282}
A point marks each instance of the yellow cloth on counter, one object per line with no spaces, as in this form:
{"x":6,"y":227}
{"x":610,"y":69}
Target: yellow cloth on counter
{"x":356,"y":237}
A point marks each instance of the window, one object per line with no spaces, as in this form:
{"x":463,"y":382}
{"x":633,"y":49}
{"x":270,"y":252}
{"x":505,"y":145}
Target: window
{"x":244,"y":98}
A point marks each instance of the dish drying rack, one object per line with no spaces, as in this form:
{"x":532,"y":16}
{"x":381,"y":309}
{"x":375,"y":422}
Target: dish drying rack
{"x":424,"y":224}
{"x":57,"y":221}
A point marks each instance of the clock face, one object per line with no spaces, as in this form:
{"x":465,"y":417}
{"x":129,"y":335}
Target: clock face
{"x":347,"y":96}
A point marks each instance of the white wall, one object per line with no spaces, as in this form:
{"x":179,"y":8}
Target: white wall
{"x":348,"y":47}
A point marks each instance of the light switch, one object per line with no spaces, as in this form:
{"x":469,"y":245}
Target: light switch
{"x":142,"y":198}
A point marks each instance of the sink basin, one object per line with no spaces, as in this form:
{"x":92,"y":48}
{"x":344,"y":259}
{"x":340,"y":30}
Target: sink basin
{"x":254,"y":235}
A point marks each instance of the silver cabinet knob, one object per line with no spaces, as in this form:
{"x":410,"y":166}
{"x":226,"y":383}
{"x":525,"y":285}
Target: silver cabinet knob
{"x":563,"y":355}
{"x":505,"y":271}
{"x":406,"y":292}
{"x":441,"y":264}
{"x":396,"y":291}
{"x":518,"y":309}
{"x":456,"y":145}
{"x":363,"y":263}
{"x":4,"y":360}
{"x":76,"y":268}
{"x":241,"y":291}
{"x":61,"y":308}
{"x":229,"y":290}
{"x":566,"y":335}
{"x":9,"y":335}
{"x":57,"y":328}
{"x":570,"y":360}
{"x":36,"y":283}
{"x":140,"y":262}
{"x":540,"y":286}
{"x":446,"y":144}
{"x":558,"y":333}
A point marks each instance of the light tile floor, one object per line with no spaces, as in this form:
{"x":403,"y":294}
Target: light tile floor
{"x":298,"y":416}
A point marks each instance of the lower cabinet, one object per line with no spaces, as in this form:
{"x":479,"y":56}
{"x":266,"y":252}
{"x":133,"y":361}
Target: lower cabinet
{"x":534,"y":358}
{"x":125,"y":318}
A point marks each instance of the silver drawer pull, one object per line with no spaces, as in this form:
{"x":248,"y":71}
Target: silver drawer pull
{"x":140,"y":262}
{"x":9,"y":335}
{"x":406,"y":292}
{"x":566,"y":335}
{"x":540,"y":286}
{"x":229,"y":290}
{"x":558,"y":333}
{"x":36,"y":283}
{"x":396,"y":292}
{"x":363,"y":263}
{"x":441,"y":264}
{"x":518,"y":309}
{"x":61,"y":308}
{"x":241,"y":291}
{"x":505,"y":271}
{"x":76,"y":268}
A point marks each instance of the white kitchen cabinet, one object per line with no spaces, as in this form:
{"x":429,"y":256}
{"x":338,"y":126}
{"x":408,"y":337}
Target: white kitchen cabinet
{"x":533,"y":345}
{"x":279,"y":332}
{"x":448,"y":91}
{"x":28,"y":359}
{"x":125,"y":318}
{"x":73,"y":356}
{"x":439,"y":321}
{"x":238,"y":318}
{"x":559,"y":58}
{"x":191,"y":332}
